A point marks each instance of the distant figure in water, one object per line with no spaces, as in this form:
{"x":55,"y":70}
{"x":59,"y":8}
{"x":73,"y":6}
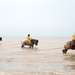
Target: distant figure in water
{"x":28,"y":39}
{"x":73,"y":40}
{"x":0,"y":38}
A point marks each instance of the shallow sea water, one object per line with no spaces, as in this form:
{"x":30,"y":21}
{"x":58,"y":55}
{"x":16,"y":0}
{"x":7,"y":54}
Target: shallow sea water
{"x":45,"y":59}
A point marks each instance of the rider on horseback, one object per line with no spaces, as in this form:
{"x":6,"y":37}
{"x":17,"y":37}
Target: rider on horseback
{"x":28,"y":39}
{"x":73,"y":40}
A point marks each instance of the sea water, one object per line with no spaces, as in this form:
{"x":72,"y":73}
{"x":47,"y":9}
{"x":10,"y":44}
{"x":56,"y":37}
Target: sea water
{"x":45,"y":59}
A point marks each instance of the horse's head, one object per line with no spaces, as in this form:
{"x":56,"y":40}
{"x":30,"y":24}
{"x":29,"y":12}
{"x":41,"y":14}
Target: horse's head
{"x":34,"y":41}
{"x":67,"y":45}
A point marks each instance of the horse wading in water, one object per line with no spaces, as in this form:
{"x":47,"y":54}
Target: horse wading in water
{"x":33,"y":42}
{"x":68,"y":46}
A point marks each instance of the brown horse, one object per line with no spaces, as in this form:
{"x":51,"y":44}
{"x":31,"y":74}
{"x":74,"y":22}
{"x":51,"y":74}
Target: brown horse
{"x":33,"y":42}
{"x":68,"y":46}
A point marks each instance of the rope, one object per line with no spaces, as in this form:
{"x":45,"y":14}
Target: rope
{"x":9,"y":44}
{"x":34,"y":48}
{"x":50,"y":49}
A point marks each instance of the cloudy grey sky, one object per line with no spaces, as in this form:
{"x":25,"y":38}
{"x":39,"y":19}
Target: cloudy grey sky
{"x":37,"y":17}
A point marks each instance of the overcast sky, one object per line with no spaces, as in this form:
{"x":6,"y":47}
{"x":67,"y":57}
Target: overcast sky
{"x":37,"y":17}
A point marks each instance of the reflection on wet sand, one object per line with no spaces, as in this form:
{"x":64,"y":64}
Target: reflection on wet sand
{"x":70,"y":60}
{"x":70,"y":57}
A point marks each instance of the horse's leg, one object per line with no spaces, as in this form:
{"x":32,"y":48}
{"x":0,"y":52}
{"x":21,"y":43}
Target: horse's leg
{"x":64,"y":50}
{"x":31,"y":46}
{"x":22,"y":46}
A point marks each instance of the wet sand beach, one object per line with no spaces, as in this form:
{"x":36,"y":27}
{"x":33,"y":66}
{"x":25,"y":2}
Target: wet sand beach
{"x":45,"y":59}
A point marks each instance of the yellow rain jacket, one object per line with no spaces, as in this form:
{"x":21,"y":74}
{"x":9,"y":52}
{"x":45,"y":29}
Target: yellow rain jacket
{"x":73,"y":37}
{"x":28,"y":39}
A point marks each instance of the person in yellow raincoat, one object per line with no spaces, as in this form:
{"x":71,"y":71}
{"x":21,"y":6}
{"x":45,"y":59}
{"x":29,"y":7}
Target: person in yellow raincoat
{"x":73,"y":40}
{"x":28,"y":39}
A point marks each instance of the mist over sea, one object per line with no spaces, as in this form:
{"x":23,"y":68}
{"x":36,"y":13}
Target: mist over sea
{"x":45,"y":59}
